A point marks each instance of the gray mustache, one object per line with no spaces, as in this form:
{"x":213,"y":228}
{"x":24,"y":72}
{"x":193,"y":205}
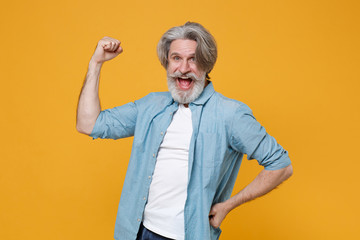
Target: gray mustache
{"x":178,"y":74}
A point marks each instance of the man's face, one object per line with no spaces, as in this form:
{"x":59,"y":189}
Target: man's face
{"x":185,"y":80}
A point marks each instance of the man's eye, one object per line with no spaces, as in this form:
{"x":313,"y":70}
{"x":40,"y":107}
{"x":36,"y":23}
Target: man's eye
{"x":176,"y":58}
{"x":192,"y":59}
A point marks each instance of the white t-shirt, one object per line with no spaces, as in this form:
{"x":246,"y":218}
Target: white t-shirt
{"x":164,"y":211}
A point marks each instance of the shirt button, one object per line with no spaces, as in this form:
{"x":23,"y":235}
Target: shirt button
{"x":138,"y":220}
{"x":144,"y":198}
{"x":153,"y":154}
{"x":162,"y":133}
{"x":149,"y":177}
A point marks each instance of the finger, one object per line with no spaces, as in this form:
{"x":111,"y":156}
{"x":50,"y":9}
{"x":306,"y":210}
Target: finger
{"x":213,"y":223}
{"x":119,"y":50}
{"x":212,"y":212}
{"x":111,"y":48}
{"x":106,"y":46}
{"x":116,"y":46}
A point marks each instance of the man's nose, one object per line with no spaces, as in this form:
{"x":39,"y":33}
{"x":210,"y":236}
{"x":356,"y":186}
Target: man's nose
{"x":184,"y":67}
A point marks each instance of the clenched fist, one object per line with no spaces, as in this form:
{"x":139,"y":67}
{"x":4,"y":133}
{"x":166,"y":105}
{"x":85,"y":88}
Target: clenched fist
{"x":106,"y":49}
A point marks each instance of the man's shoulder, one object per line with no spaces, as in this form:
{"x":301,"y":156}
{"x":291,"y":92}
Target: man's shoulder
{"x":229,"y":104}
{"x":154,"y":101}
{"x":152,"y":97}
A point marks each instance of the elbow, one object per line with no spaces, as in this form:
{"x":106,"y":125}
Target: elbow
{"x":288,"y":171}
{"x":83,"y":129}
{"x":85,"y":123}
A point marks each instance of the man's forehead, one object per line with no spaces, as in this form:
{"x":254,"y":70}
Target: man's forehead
{"x":182,"y":46}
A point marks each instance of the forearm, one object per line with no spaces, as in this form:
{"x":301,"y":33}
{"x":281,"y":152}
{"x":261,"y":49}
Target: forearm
{"x":89,"y":102}
{"x":263,"y":183}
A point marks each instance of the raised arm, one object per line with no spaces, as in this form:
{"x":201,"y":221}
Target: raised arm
{"x":266,"y":181}
{"x":89,"y":103}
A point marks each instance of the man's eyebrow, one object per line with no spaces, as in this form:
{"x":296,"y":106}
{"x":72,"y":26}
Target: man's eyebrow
{"x":176,"y":53}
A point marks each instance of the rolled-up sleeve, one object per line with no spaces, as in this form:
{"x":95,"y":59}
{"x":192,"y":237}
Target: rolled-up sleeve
{"x":249,"y":137}
{"x":115,"y":123}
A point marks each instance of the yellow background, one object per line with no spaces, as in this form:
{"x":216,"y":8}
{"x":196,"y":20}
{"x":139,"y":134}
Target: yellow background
{"x":295,"y":63}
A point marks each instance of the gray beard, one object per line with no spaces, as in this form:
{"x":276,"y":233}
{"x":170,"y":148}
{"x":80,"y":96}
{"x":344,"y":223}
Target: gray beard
{"x":181,"y":96}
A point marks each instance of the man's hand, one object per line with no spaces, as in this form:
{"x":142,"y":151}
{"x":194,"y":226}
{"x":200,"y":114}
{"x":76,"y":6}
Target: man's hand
{"x":266,"y":181}
{"x":217,"y":214}
{"x":106,"y":49}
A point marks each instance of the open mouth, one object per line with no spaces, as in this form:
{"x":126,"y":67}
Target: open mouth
{"x":184,"y":83}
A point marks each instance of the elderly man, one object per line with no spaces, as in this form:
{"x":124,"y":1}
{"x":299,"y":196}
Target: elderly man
{"x":188,"y":143}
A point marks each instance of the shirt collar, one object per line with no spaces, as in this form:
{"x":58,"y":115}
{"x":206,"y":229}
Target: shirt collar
{"x":205,"y":95}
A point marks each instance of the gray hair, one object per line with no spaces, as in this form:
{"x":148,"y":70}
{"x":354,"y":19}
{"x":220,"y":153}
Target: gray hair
{"x":206,"y":50}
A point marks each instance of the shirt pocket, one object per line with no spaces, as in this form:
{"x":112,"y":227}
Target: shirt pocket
{"x":208,"y":150}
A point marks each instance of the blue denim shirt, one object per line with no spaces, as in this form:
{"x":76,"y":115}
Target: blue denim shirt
{"x":223,"y":131}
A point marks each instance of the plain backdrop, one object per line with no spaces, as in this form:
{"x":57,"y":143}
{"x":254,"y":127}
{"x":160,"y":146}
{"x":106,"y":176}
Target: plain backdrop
{"x":295,"y":63}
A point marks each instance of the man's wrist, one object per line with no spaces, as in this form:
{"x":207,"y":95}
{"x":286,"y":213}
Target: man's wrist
{"x":233,"y":202}
{"x":228,"y":205}
{"x":93,"y":64}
